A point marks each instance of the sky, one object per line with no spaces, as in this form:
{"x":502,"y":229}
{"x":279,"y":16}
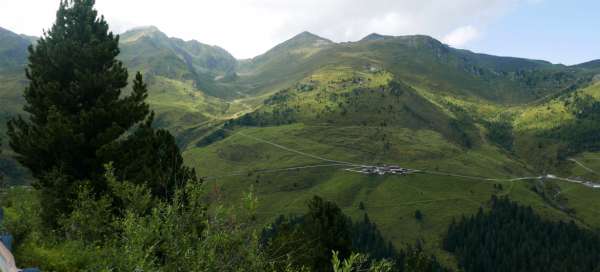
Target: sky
{"x":561,"y":31}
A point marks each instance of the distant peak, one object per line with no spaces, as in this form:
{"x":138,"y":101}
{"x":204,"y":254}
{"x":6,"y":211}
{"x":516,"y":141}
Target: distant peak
{"x":375,"y":37}
{"x":7,"y":32}
{"x":149,"y":28}
{"x":305,"y":35}
{"x":594,"y":64}
{"x":142,"y":31}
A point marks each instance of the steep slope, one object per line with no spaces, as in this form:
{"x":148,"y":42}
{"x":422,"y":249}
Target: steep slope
{"x":13,"y":50}
{"x":375,"y":37}
{"x":292,"y":51}
{"x":283,"y":122}
{"x":149,"y":50}
{"x":410,"y":101}
{"x":551,"y":132}
{"x":13,"y":57}
{"x":282,"y":65}
{"x":591,"y":65}
{"x":347,"y":97}
{"x":418,"y":60}
{"x":169,"y":66}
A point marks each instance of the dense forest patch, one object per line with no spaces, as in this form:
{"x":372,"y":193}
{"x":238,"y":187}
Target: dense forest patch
{"x":511,"y":237}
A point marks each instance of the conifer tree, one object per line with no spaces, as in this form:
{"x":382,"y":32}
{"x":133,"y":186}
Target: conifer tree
{"x":77,"y":112}
{"x":2,"y":184}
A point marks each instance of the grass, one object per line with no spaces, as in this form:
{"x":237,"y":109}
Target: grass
{"x":344,"y":115}
{"x":234,"y":166}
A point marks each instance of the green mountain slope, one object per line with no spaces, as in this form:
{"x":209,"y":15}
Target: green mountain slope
{"x":592,"y":65}
{"x":153,"y":52}
{"x":418,"y":60}
{"x":172,"y":69}
{"x":13,"y":50}
{"x":284,"y":121}
{"x":461,"y":118}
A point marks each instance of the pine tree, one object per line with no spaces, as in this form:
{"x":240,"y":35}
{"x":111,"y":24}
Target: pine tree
{"x":2,"y":182}
{"x":418,"y":215}
{"x":77,"y":112}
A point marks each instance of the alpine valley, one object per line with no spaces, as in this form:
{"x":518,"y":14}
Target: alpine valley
{"x":314,"y":117}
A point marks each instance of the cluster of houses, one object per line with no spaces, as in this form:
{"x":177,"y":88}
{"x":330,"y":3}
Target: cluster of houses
{"x":383,"y":170}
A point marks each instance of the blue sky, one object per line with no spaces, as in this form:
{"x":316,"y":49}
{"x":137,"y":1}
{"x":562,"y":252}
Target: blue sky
{"x":561,"y":31}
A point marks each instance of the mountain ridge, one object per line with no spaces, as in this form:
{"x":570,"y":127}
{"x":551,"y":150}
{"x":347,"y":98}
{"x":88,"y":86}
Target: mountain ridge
{"x":13,"y":50}
{"x":411,"y":101}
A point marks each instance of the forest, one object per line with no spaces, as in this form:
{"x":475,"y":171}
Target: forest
{"x":111,"y":192}
{"x":511,"y":237}
{"x":110,"y":189}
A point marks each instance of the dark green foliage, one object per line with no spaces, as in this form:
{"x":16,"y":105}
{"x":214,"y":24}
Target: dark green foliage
{"x":2,"y":182}
{"x":151,"y":157}
{"x":586,"y":107}
{"x":459,"y":129}
{"x":367,"y":239}
{"x":414,"y":259}
{"x":76,"y":110}
{"x":361,"y":205}
{"x":184,"y":233}
{"x":583,"y":134}
{"x":511,"y":237}
{"x":550,"y":191}
{"x":310,"y":239}
{"x":281,"y":115}
{"x":418,"y":215}
{"x":501,"y":133}
{"x":212,"y":137}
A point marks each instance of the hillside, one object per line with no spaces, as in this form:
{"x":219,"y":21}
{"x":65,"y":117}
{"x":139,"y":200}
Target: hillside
{"x":461,"y":118}
{"x":13,"y":50}
{"x":591,"y":65}
{"x":297,"y":120}
{"x":418,"y":60}
{"x":149,"y":50}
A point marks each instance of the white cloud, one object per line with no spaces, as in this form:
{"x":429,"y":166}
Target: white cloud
{"x":461,"y":36}
{"x":250,"y":27}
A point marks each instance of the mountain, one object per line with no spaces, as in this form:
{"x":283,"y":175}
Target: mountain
{"x":297,"y":48}
{"x":280,"y":66}
{"x":13,"y":57}
{"x":591,"y":65}
{"x":303,"y":117}
{"x":375,"y":37}
{"x":13,"y":50}
{"x":419,"y":60}
{"x":149,"y":50}
{"x":469,"y":122}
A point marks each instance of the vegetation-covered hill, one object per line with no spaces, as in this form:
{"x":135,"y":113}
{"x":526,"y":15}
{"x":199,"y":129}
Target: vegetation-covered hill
{"x":592,"y":65}
{"x":292,"y":121}
{"x":149,"y":50}
{"x":13,"y":50}
{"x":418,"y":60}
